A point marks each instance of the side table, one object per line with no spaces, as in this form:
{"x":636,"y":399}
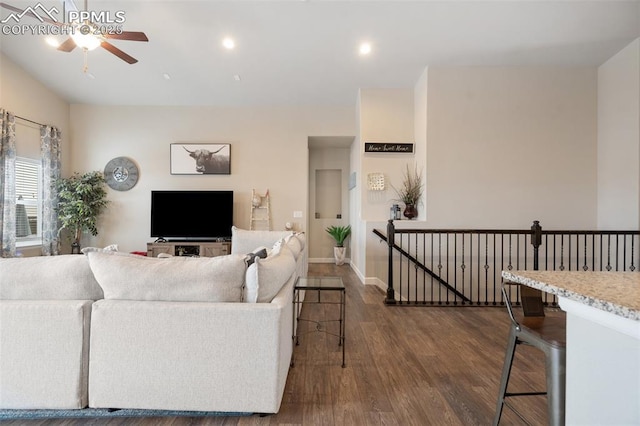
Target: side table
{"x":315,"y":286}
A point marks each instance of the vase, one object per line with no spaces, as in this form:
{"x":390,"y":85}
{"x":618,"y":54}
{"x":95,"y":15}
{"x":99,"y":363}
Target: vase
{"x":339,"y":255}
{"x":410,"y":211}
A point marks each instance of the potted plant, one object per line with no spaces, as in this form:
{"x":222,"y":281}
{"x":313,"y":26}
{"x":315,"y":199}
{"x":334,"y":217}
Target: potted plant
{"x":81,"y":199}
{"x":339,"y":234}
{"x":411,"y":191}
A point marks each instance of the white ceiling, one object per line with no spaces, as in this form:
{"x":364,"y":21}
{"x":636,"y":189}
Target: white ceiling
{"x":306,"y":52}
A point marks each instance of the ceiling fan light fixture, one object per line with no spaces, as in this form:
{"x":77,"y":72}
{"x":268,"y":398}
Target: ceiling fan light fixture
{"x":85,"y":41}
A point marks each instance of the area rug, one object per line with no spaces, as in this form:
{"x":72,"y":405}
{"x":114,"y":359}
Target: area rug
{"x":104,"y":412}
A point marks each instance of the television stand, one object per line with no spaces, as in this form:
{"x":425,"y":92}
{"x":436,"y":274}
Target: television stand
{"x":189,"y":248}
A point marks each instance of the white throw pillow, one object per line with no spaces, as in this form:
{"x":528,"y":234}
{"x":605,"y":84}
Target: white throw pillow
{"x":244,"y":241}
{"x":111,"y":247}
{"x":277,"y":247}
{"x":293,"y":244}
{"x":266,"y":277}
{"x":64,"y":277}
{"x":180,"y":279}
{"x":301,"y":236}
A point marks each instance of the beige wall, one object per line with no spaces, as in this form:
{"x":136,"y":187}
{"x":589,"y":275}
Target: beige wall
{"x":506,"y":146}
{"x":384,"y":115}
{"x":619,"y":140}
{"x":268,"y":150}
{"x":500,"y":146}
{"x":358,"y":233}
{"x":26,"y":97}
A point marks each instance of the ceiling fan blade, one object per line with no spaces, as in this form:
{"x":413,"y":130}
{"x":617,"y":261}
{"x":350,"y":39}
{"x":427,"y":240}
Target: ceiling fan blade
{"x":21,"y":12}
{"x":68,"y":45}
{"x":128,"y":35}
{"x":119,"y":53}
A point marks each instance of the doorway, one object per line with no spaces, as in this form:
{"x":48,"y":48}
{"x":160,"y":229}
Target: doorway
{"x":329,"y":170}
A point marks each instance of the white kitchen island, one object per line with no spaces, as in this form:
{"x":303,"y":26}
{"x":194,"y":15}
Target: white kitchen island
{"x":603,"y":342}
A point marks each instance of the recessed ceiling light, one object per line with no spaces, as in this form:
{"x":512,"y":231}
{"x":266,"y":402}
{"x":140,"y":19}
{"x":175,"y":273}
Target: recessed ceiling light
{"x":228,"y":43}
{"x":52,"y":41}
{"x":236,"y":77}
{"x":166,"y":76}
{"x":365,"y":48}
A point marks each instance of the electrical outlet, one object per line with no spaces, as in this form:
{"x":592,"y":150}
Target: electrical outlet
{"x":297,"y":213}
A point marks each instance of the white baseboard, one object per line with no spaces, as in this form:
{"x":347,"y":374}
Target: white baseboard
{"x":364,"y":280}
{"x":326,"y":260}
{"x":377,"y":282}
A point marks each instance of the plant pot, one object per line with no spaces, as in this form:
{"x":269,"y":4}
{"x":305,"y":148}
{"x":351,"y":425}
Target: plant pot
{"x":339,"y":254}
{"x":410,"y":211}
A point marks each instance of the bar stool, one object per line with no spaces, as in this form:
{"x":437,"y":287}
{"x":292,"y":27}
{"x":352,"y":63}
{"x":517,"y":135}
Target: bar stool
{"x":547,"y":333}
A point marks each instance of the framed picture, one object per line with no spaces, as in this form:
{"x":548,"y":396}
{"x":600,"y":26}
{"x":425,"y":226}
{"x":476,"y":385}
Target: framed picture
{"x":200,"y":159}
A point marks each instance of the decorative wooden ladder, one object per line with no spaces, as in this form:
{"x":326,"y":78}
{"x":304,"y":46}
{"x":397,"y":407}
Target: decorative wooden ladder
{"x":260,"y":211}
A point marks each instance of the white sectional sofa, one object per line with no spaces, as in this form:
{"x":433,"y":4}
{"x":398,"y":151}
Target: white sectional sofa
{"x":119,"y":331}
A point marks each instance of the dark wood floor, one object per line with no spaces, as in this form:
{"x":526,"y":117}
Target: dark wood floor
{"x":405,"y":366}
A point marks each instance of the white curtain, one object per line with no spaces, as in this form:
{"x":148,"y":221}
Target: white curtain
{"x":50,"y":152}
{"x":7,"y":183}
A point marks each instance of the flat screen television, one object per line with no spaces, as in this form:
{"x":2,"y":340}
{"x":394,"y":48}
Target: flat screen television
{"x":191,"y":215}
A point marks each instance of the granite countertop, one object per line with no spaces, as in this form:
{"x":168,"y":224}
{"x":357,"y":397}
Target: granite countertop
{"x":614,"y":292}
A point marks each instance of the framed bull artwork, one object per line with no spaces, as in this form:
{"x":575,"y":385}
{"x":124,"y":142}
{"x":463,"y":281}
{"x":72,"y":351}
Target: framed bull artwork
{"x":200,"y":159}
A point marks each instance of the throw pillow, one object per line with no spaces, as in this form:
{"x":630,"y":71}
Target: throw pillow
{"x":64,"y":277}
{"x":260,"y":252}
{"x":266,"y":276}
{"x":301,"y":236}
{"x":244,"y":241}
{"x":277,"y":246}
{"x":112,"y":247}
{"x":293,"y":244}
{"x":180,"y":279}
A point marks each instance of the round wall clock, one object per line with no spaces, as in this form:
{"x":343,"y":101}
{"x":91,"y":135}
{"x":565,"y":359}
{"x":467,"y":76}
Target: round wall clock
{"x":121,"y":174}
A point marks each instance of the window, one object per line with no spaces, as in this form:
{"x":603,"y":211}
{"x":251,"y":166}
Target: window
{"x":28,"y":201}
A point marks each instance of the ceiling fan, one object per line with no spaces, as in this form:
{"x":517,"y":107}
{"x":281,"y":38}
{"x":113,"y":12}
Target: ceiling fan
{"x":85,"y":34}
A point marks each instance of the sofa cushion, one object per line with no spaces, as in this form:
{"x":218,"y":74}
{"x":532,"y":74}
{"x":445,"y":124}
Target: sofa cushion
{"x":44,"y":353}
{"x":244,"y":241}
{"x":64,"y":277}
{"x":293,"y":243}
{"x":180,"y":279}
{"x":266,"y":276}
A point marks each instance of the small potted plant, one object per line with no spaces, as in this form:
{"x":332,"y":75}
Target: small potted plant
{"x":411,"y":191}
{"x":339,"y":234}
{"x":81,"y":199}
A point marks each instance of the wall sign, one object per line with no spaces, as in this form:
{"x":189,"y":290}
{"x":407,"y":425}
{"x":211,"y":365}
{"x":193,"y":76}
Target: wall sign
{"x":388,"y":147}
